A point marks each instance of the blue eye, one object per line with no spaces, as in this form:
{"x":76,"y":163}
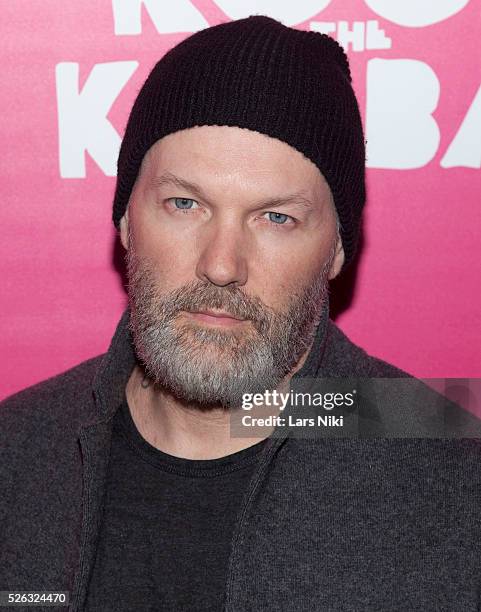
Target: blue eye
{"x":183,"y":203}
{"x":278,"y":218}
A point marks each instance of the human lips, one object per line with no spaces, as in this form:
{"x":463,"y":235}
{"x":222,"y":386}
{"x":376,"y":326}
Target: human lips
{"x":215,"y":317}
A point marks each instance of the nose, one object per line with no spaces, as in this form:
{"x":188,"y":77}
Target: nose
{"x":222,"y":260}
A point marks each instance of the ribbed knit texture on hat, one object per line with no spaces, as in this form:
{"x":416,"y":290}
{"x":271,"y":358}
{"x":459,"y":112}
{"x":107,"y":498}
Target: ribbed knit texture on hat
{"x":258,"y":74}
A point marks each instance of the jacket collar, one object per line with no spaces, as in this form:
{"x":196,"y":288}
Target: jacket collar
{"x":119,"y":361}
{"x":115,"y":369}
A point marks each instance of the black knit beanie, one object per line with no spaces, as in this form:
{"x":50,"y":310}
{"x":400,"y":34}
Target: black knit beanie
{"x":259,"y":74}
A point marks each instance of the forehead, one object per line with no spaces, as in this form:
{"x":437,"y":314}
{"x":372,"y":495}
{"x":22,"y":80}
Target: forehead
{"x":228,"y":155}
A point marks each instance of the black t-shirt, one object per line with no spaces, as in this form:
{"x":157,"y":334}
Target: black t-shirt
{"x":168,"y":522}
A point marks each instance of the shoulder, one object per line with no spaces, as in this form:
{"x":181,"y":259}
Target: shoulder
{"x":406,"y":406}
{"x":344,"y":358}
{"x":62,"y":400}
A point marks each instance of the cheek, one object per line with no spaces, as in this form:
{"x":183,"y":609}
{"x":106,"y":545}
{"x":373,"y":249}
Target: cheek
{"x":295,"y":259}
{"x":285,"y":270}
{"x":172,"y":257}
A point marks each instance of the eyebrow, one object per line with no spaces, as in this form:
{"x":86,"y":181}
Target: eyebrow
{"x":167,"y":178}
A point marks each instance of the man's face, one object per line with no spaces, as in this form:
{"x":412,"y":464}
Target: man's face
{"x":227,"y":221}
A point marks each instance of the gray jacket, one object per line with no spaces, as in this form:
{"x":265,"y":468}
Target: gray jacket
{"x":370,"y":524}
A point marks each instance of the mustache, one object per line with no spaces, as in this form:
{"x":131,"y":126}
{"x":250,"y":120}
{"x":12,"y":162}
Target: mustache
{"x":196,"y":295}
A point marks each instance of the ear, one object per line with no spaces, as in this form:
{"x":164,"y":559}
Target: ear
{"x":124,"y":229}
{"x":338,"y":260}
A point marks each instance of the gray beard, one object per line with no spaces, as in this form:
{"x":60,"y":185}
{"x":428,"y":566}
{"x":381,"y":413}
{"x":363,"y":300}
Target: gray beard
{"x":214,"y":367}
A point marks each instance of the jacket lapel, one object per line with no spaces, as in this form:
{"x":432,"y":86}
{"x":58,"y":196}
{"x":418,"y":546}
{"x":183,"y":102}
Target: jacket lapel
{"x":95,"y":440}
{"x":95,"y":449}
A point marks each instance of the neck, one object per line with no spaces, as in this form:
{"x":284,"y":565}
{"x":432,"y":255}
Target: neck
{"x":183,"y":430}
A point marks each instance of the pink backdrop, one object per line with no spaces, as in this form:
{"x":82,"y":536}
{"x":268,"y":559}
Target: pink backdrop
{"x":70,"y":72}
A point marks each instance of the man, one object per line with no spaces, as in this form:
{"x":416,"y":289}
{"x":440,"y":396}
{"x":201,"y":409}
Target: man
{"x":239,"y":196}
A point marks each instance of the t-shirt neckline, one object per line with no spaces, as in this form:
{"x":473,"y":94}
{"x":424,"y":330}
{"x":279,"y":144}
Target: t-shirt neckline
{"x":125,"y":425}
